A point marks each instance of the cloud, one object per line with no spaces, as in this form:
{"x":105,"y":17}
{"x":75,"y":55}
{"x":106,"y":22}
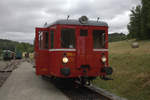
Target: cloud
{"x":119,"y":22}
{"x":20,"y":17}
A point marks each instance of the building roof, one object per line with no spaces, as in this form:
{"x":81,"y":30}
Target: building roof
{"x":76,"y":22}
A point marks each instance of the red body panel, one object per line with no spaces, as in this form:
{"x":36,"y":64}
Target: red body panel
{"x":49,"y":61}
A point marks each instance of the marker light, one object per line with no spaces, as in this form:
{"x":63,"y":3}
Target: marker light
{"x":65,"y":60}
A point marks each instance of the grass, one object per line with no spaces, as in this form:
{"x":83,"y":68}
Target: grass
{"x":131,"y":70}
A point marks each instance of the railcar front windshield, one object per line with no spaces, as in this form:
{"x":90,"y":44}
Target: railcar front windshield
{"x":67,"y":38}
{"x":98,"y":39}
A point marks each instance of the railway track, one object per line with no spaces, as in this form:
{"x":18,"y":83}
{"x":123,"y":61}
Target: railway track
{"x":6,"y":70}
{"x":75,"y":91}
{"x":8,"y":67}
{"x":104,"y":93}
{"x":89,"y":93}
{"x":82,"y":93}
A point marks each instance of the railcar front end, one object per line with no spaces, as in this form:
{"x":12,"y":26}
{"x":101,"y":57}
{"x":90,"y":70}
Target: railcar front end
{"x":73,"y":49}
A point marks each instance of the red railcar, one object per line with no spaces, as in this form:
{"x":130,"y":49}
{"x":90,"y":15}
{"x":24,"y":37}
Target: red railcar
{"x":72,"y":49}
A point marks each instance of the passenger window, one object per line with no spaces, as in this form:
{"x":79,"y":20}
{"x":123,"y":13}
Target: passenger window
{"x":43,"y":40}
{"x":52,"y":38}
{"x":68,"y":38}
{"x":46,"y":40}
{"x":83,"y":32}
{"x":98,"y":39}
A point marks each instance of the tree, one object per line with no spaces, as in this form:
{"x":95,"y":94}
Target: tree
{"x":145,"y":23}
{"x":15,"y":46}
{"x":134,"y":26}
{"x":139,"y":26}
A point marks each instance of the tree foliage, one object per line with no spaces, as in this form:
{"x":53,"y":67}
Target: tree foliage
{"x":139,"y":26}
{"x":15,"y":46}
{"x":116,"y":37}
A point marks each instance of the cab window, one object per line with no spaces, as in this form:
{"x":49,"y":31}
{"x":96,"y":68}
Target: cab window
{"x":98,"y":39}
{"x":67,"y":38}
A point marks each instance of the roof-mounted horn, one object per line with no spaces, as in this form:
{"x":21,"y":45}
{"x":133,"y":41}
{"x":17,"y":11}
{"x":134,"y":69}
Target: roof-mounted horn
{"x":83,"y":19}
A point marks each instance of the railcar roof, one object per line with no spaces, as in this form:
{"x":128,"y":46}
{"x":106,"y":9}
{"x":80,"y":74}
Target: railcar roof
{"x":76,"y":22}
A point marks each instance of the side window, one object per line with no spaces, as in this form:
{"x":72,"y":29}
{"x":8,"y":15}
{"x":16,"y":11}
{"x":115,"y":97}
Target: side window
{"x":46,"y":40}
{"x":83,"y":32}
{"x":52,"y":38}
{"x":43,"y":40}
{"x":98,"y":39}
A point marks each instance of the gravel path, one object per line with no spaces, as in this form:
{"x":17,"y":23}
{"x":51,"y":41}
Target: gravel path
{"x":6,"y":67}
{"x":24,"y":84}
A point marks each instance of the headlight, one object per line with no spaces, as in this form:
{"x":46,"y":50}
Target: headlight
{"x":103,"y":59}
{"x":65,"y":60}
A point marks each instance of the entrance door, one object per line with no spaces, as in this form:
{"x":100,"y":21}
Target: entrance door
{"x":41,"y":51}
{"x":84,"y":47}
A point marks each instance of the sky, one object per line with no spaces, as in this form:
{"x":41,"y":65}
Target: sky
{"x":18,"y":18}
